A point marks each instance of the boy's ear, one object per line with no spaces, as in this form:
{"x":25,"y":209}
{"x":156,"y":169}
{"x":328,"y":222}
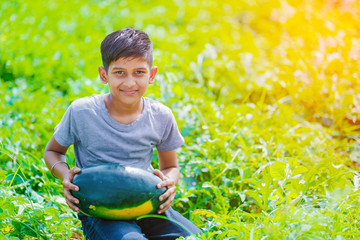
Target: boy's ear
{"x":103,"y":75}
{"x":153,"y":72}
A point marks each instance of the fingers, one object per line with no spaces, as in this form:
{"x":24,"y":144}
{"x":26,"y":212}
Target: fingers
{"x":76,"y":169}
{"x":67,"y":182}
{"x":69,"y":196}
{"x":158,"y":173}
{"x":169,"y":192}
{"x":166,"y":183}
{"x":71,"y":200}
{"x":72,"y":206}
{"x":72,"y":173}
{"x":164,"y":179}
{"x":170,"y":195}
{"x":68,"y":186}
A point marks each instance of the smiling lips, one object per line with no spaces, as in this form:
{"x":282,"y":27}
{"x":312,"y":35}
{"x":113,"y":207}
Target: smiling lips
{"x":129,"y":92}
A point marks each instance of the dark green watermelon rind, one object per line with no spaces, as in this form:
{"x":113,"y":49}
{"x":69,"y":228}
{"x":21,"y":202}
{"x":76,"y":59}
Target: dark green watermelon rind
{"x":155,"y":202}
{"x":85,"y":204}
{"x":127,"y":202}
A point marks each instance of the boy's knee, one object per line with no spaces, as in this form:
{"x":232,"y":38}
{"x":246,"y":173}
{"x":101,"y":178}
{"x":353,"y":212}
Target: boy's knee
{"x":133,"y":236}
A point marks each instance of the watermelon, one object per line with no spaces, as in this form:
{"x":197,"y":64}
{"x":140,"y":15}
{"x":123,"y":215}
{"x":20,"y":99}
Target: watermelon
{"x":117,"y":192}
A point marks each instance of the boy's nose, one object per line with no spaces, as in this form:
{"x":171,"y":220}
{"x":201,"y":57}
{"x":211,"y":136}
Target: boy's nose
{"x":129,"y":82}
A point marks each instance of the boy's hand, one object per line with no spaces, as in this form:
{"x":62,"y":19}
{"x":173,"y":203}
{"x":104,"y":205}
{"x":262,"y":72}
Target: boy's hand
{"x":170,"y":192}
{"x":68,"y":186}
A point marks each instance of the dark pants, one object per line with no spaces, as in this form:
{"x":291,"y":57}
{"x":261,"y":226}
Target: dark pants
{"x":146,"y":228}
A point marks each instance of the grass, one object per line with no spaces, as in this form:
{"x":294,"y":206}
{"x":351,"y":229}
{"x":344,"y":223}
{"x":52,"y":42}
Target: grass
{"x":265,"y":95}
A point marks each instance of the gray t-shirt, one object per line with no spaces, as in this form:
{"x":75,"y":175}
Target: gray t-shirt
{"x":98,"y":138}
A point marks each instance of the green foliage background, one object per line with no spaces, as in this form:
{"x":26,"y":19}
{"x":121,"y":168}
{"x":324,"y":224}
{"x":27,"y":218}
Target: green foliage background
{"x":266,"y":94}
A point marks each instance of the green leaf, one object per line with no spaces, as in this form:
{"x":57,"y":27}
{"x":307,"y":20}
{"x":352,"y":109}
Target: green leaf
{"x":2,"y":174}
{"x":273,"y":198}
{"x":13,"y":238}
{"x":256,"y":197}
{"x":299,"y":170}
{"x":277,"y":170}
{"x":2,"y":236}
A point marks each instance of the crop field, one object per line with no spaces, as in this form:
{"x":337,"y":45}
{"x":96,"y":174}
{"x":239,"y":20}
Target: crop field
{"x":266,"y":94}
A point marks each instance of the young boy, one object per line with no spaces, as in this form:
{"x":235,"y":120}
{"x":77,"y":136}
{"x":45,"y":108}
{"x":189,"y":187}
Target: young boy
{"x":121,"y":127}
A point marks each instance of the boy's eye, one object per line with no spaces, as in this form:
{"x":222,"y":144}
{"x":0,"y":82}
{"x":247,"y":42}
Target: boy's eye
{"x":120,"y":72}
{"x":139,"y":72}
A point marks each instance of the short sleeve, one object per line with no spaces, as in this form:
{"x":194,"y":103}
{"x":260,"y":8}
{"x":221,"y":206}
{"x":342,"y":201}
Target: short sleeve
{"x":171,"y":138}
{"x":65,"y":131}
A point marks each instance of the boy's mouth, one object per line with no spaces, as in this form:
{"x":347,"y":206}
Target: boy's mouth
{"x":129,"y":91}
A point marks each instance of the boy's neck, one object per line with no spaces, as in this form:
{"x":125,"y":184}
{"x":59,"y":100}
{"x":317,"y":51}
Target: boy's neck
{"x":123,"y":113}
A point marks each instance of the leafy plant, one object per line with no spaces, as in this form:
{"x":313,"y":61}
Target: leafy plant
{"x":265,"y":95}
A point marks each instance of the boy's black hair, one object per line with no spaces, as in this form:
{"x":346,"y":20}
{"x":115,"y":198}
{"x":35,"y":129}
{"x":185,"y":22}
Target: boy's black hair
{"x":126,"y":43}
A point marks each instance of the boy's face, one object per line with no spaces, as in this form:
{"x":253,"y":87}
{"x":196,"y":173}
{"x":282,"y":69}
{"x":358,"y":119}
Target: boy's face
{"x":128,"y":79}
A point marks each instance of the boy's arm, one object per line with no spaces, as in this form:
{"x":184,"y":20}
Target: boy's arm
{"x":54,"y":153}
{"x":169,"y":173}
